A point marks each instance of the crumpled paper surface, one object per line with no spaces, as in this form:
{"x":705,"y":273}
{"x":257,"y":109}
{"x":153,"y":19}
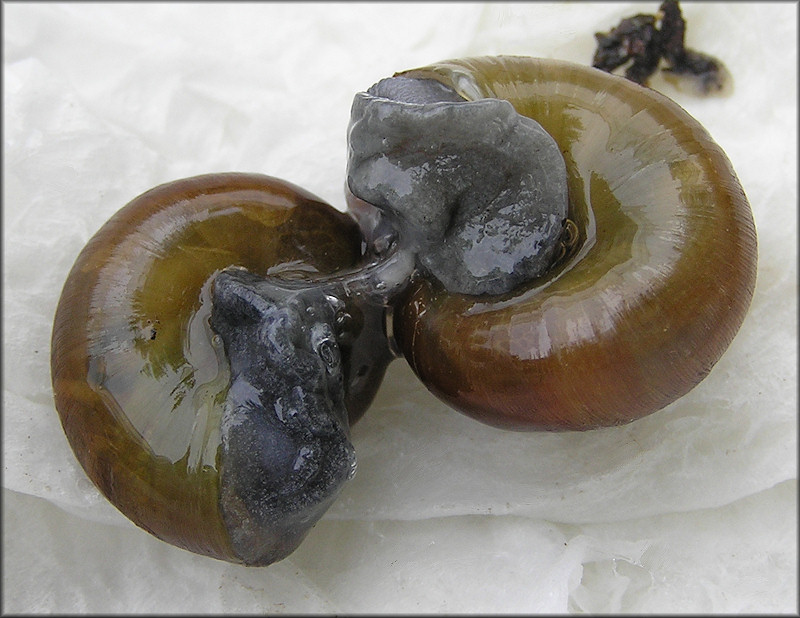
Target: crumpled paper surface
{"x":692,"y":509}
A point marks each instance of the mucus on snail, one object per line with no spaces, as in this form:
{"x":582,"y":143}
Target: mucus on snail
{"x":580,"y":257}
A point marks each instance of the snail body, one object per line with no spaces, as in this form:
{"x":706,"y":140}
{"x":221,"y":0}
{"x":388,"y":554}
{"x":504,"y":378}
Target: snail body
{"x":654,"y":289}
{"x":476,"y":191}
{"x":167,"y":356}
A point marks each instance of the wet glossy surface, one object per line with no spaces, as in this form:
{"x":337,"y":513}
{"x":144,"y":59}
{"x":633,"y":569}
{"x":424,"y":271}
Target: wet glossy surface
{"x":139,"y":376}
{"x":654,"y":293}
{"x":475,"y":190}
{"x":193,"y":433}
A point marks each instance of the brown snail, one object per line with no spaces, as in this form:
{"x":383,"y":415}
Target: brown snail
{"x":658,"y":274}
{"x":211,"y":407}
{"x":217,"y":337}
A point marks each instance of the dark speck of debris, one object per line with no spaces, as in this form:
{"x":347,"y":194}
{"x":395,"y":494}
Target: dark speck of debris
{"x":645,"y":40}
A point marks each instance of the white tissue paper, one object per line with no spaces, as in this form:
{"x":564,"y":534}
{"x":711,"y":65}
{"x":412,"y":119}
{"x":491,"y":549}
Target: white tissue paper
{"x":692,"y":509}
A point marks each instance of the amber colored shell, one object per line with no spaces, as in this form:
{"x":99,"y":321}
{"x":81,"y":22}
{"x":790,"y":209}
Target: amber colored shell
{"x":137,"y":374}
{"x":653,"y":294}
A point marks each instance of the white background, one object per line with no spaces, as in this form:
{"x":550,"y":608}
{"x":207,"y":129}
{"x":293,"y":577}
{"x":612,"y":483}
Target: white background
{"x":690,"y":509}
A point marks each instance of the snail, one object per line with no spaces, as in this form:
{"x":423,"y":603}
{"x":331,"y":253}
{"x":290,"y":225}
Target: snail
{"x":580,"y":256}
{"x":657,"y":272}
{"x":205,"y":387}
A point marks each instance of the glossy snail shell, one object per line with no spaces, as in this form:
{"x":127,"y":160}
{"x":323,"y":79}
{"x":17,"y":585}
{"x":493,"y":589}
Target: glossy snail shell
{"x":655,"y":290}
{"x":139,"y":378}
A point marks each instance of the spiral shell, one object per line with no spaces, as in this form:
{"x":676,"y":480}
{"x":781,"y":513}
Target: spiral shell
{"x":654,"y":290}
{"x":141,"y":379}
